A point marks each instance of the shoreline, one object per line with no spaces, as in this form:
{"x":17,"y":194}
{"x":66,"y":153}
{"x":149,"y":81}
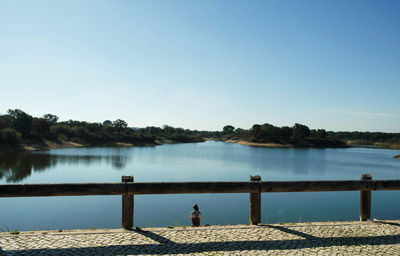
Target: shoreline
{"x":256,"y":144}
{"x":277,"y":145}
{"x":47,"y":145}
{"x":378,"y":145}
{"x":67,"y":144}
{"x":95,"y":230}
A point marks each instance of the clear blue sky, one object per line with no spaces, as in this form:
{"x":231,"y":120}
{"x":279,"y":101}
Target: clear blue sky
{"x":204,"y":64}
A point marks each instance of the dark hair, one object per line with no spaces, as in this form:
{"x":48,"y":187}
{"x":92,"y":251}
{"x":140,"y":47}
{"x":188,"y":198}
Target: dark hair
{"x":196,"y":207}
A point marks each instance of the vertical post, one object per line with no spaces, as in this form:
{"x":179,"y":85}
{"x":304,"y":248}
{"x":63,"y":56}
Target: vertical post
{"x":255,"y":203}
{"x":127,"y":205}
{"x":365,"y":200}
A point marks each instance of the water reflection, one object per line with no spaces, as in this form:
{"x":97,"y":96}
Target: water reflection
{"x":18,"y":166}
{"x":208,"y":161}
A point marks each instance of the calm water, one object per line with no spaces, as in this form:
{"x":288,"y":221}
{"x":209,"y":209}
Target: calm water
{"x":209,"y":161}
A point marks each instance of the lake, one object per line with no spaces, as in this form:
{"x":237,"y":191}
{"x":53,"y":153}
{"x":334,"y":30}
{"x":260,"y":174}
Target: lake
{"x":208,"y":161}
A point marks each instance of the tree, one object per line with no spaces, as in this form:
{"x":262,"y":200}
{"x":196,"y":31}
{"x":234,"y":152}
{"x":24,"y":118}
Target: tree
{"x":256,"y":131}
{"x":168,"y":130}
{"x":228,"y":129}
{"x":9,"y":136}
{"x":52,"y":119}
{"x":269,"y":133}
{"x":94,"y":127}
{"x":83,"y":133}
{"x":5,"y":121}
{"x":152,"y":130}
{"x":285,"y":133}
{"x":320,"y":133}
{"x":107,"y":123}
{"x":21,"y":121}
{"x":239,"y":132}
{"x":299,"y":132}
{"x":119,"y":124}
{"x":40,"y":126}
{"x":61,"y":129}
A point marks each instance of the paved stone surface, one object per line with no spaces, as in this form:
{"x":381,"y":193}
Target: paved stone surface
{"x":333,"y":238}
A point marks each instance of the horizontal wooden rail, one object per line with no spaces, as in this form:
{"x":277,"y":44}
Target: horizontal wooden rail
{"x":193,"y":187}
{"x":137,"y":188}
{"x":316,"y":186}
{"x":144,"y":188}
{"x":386,"y":184}
{"x":61,"y":189}
{"x":127,"y":188}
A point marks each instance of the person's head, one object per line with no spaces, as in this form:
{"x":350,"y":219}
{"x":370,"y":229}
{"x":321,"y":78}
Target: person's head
{"x":196,"y":207}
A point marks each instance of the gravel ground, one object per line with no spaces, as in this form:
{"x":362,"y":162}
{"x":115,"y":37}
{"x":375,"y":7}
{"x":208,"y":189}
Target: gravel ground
{"x":328,"y":238}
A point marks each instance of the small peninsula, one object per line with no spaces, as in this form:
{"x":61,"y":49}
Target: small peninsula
{"x":20,"y":131}
{"x":268,"y":135}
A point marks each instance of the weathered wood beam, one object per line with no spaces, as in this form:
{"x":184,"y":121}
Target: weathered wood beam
{"x":387,"y":184}
{"x":144,"y":188}
{"x":255,"y":203}
{"x":192,"y":187}
{"x":61,"y":189}
{"x":316,"y":186}
{"x":127,"y":204}
{"x":365,"y":200}
{"x":85,"y":189}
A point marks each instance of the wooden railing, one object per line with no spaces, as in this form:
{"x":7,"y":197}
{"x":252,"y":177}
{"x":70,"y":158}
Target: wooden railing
{"x":127,"y":188}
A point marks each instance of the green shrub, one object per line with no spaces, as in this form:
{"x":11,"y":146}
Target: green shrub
{"x":5,"y":121}
{"x":59,"y":129}
{"x":62,"y":137}
{"x":10,"y":136}
{"x":83,"y":133}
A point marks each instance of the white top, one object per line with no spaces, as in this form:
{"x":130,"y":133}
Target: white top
{"x":193,"y":214}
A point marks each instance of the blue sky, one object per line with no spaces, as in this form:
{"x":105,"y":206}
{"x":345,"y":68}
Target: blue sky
{"x":204,"y":64}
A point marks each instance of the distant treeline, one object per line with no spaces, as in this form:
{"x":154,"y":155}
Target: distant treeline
{"x":368,"y":137}
{"x":299,"y":135}
{"x":18,"y":127}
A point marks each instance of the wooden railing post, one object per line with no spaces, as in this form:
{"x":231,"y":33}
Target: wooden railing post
{"x":255,"y":203}
{"x":127,"y":205}
{"x":365,"y":200}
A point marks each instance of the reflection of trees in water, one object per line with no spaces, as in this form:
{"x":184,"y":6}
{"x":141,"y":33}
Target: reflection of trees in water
{"x":117,"y":161}
{"x":18,"y":166}
{"x":15,"y":167}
